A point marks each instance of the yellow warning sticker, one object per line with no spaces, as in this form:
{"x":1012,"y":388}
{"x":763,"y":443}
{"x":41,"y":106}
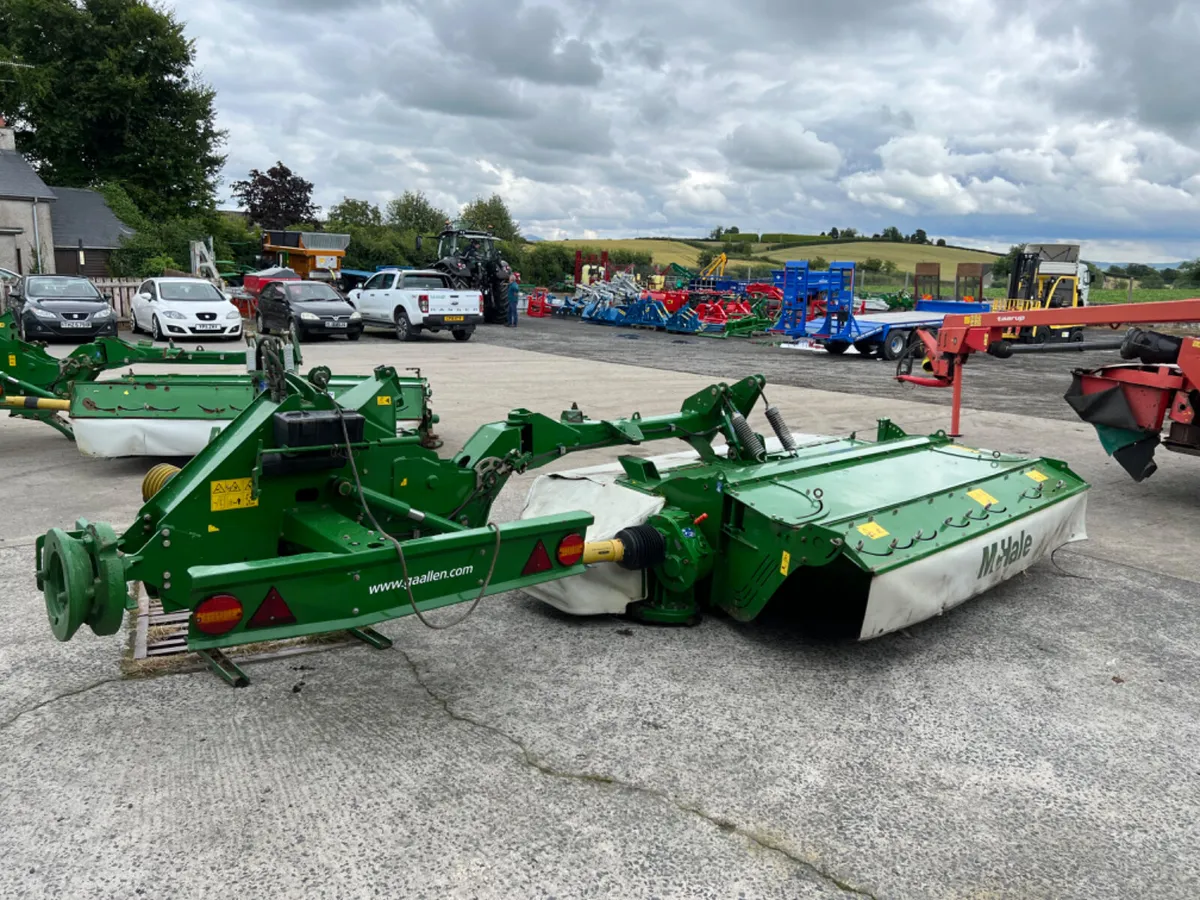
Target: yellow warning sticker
{"x":383,"y":401}
{"x":965,"y":449}
{"x":982,"y":497}
{"x":232,"y":493}
{"x":975,"y":320}
{"x":873,"y":530}
{"x":1037,"y":476}
{"x":784,"y":563}
{"x":404,"y":483}
{"x":12,"y":360}
{"x":213,"y":529}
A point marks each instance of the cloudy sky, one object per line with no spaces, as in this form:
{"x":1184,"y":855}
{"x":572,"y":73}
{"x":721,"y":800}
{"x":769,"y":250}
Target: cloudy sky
{"x":982,"y":121}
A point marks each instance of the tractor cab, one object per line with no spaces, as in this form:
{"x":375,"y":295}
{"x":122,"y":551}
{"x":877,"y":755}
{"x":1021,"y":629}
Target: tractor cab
{"x":461,"y":244}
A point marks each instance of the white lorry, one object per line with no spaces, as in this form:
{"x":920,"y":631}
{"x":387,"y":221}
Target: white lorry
{"x":416,"y":300}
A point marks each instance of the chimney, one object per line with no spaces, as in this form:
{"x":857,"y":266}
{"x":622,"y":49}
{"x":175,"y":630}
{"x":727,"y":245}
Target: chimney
{"x":8,"y":140}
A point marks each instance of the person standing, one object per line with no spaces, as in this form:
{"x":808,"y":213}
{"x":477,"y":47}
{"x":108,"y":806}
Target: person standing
{"x":514,"y":295}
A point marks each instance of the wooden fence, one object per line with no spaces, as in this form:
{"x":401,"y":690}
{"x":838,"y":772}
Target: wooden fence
{"x":122,"y":291}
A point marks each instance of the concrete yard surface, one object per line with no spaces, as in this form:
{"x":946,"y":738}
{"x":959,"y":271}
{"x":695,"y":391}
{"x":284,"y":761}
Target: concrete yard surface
{"x":1038,"y":741}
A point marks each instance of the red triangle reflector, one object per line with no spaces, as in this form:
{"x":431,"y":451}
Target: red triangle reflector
{"x":272,"y":611}
{"x":539,"y":561}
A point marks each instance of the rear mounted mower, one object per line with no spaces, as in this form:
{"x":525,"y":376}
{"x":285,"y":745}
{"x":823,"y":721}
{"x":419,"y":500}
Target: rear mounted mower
{"x":162,"y":415}
{"x":309,"y":514}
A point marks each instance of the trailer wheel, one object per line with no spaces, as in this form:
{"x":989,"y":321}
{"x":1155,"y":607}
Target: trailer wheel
{"x":837,"y":348}
{"x":894,"y":345}
{"x":866,"y":348}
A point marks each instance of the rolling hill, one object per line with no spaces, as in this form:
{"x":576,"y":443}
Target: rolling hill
{"x":905,"y":256}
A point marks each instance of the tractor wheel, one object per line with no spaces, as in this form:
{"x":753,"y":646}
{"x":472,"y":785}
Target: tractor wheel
{"x":404,"y":329}
{"x":837,"y":348}
{"x":894,"y":345}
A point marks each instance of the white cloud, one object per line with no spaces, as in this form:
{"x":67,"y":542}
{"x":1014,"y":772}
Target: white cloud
{"x":625,"y":117}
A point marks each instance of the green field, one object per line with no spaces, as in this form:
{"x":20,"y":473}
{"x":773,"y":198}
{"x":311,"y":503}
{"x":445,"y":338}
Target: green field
{"x":905,"y":256}
{"x":1142,"y":295}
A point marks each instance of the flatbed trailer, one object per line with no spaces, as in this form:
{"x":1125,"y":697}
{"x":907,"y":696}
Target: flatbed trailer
{"x":886,"y":334}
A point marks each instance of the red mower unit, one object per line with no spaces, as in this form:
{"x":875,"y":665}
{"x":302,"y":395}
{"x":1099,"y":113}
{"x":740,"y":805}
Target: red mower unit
{"x":1151,"y":399}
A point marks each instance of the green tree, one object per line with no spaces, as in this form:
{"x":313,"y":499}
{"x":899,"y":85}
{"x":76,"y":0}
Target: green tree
{"x":353,"y":212}
{"x":1003,"y":265}
{"x":111,"y":96}
{"x":412,"y":211}
{"x":1169,"y":275}
{"x":872,"y":265}
{"x":848,"y":233}
{"x":276,"y":198}
{"x":1116,"y":272}
{"x":818,"y":263}
{"x":493,"y":214}
{"x":704,"y":259}
{"x":715,"y":234}
{"x":1151,"y":281}
{"x":892,"y":233}
{"x":890,"y":267}
{"x":919,"y":237}
{"x":1189,"y":273}
{"x":941,"y":242}
{"x":834,"y":233}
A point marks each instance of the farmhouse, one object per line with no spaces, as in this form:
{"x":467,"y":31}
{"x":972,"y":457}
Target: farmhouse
{"x":53,"y":230}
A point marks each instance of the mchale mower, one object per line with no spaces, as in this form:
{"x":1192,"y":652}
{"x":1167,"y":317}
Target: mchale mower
{"x":1130,"y":404}
{"x":161,"y":415}
{"x":310,"y":514}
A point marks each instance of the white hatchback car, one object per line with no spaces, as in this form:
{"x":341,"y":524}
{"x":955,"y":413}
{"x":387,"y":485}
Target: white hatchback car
{"x":169,"y":308}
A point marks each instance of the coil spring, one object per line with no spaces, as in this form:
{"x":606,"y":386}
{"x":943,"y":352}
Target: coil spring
{"x":775,"y":417}
{"x":156,"y":479}
{"x":746,"y":436}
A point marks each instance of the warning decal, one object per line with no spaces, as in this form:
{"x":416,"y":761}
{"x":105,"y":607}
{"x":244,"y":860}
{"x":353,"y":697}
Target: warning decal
{"x":982,"y":497}
{"x":232,"y":493}
{"x":1036,"y":476}
{"x":785,"y":563}
{"x":873,"y":530}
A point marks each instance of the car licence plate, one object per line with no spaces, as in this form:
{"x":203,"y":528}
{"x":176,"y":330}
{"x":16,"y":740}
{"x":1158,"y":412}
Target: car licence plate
{"x":454,"y":318}
{"x":336,"y":324}
{"x":76,"y":324}
{"x":207,"y":327}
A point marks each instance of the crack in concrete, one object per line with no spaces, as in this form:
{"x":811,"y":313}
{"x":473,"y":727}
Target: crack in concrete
{"x":55,"y":699}
{"x":549,"y":771}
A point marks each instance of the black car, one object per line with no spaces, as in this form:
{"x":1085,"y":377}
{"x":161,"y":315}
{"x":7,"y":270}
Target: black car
{"x":308,"y":307}
{"x":61,"y":306}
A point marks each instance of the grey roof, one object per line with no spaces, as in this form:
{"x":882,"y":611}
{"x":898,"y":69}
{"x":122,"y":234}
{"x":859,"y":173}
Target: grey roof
{"x":17,"y":178}
{"x":83,"y":215}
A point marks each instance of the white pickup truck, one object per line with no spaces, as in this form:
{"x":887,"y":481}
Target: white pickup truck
{"x":416,"y":300}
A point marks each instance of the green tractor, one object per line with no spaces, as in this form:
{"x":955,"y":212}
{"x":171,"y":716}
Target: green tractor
{"x":472,"y":260}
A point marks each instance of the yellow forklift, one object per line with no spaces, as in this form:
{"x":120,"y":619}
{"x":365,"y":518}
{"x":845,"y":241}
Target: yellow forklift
{"x":1046,"y":276}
